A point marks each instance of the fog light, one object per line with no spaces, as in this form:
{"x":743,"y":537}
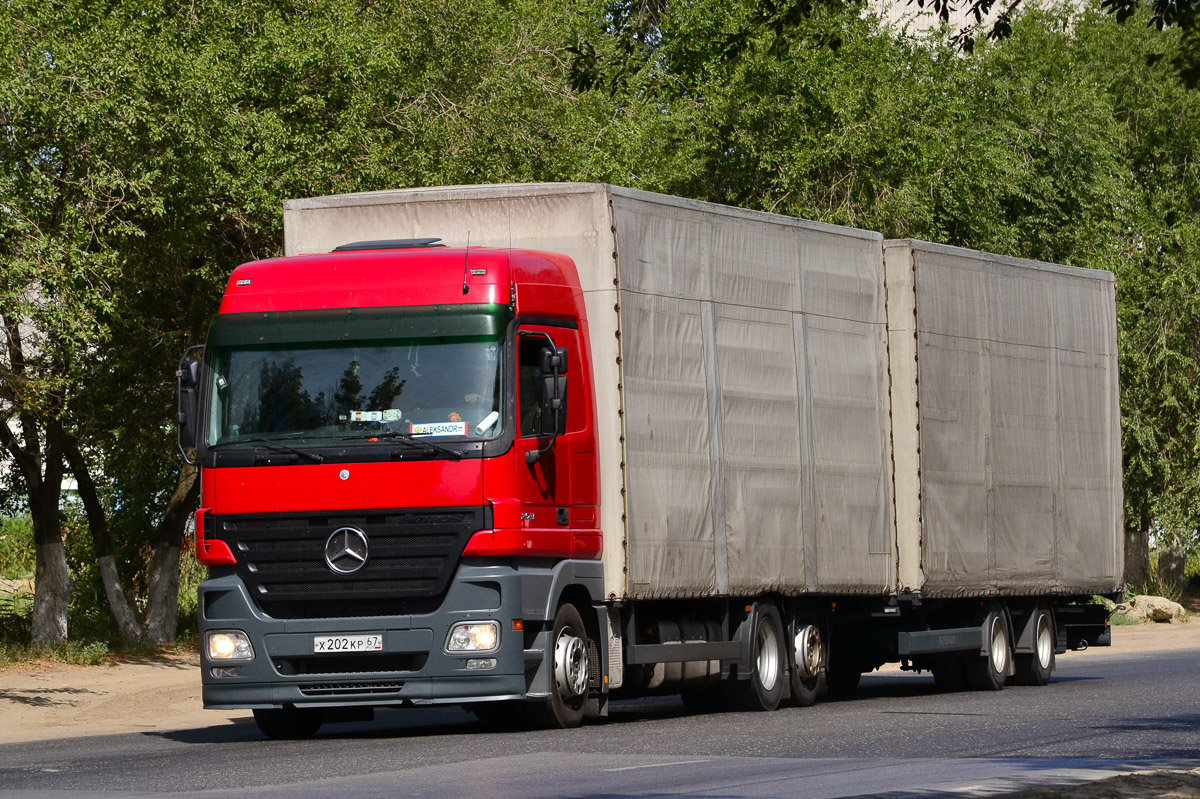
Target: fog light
{"x":481,"y":664}
{"x":474,"y":636}
{"x":219,"y":672}
{"x":229,"y":645}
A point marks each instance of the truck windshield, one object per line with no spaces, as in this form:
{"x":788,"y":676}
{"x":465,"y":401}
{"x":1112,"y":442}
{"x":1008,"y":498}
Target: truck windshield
{"x":431,"y":375}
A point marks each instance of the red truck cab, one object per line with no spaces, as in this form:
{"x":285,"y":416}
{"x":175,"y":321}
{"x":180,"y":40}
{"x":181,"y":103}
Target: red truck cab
{"x":399,"y":486}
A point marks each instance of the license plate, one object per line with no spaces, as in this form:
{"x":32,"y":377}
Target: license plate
{"x":348,"y":643}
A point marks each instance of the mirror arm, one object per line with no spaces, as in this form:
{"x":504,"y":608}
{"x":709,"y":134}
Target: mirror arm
{"x":533,"y":455}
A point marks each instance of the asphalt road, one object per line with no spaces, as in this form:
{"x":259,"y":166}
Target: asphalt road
{"x":1102,"y":714}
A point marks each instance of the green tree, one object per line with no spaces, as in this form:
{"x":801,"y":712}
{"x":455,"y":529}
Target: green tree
{"x":148,"y":147}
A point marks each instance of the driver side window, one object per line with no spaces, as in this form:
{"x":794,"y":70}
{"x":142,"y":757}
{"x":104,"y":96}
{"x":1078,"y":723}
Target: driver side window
{"x":530,"y":387}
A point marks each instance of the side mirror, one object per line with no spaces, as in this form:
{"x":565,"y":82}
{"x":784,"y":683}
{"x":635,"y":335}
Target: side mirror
{"x":552,"y":364}
{"x":553,"y":420}
{"x":187,"y":418}
{"x":553,"y":361}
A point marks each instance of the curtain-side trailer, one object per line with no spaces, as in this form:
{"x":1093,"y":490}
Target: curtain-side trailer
{"x":527,"y":448}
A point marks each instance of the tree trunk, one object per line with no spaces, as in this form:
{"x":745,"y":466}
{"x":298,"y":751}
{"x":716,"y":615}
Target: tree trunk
{"x":52,"y":584}
{"x":118,"y":603}
{"x":1172,"y":566}
{"x":162,"y":615}
{"x":1137,"y":556}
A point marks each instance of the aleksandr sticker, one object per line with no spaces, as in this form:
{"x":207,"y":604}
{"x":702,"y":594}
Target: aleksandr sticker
{"x":439,"y":429}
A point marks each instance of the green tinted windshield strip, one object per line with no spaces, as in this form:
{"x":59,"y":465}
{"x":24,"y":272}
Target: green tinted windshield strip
{"x":358,"y":324}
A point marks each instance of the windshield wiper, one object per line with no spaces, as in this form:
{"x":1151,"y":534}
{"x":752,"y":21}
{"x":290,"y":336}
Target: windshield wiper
{"x":407,"y":438}
{"x":271,"y":443}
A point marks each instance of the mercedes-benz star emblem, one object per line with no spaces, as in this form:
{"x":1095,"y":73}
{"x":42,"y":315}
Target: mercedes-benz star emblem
{"x":346,"y":550}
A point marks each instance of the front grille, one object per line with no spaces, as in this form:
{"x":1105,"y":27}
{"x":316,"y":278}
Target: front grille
{"x":346,"y":688}
{"x":412,"y":555}
{"x":350,"y":664}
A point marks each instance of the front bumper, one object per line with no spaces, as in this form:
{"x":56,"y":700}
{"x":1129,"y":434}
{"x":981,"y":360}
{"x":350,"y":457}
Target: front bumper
{"x":412,"y":668}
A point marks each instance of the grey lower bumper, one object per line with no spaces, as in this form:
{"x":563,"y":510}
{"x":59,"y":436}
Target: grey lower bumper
{"x":413,"y":667}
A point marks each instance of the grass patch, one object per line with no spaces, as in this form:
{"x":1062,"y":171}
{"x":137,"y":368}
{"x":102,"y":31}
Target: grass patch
{"x":75,"y":653}
{"x":1121,"y":620}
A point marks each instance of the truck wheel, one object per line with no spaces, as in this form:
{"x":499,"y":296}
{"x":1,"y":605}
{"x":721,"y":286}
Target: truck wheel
{"x":989,"y":672}
{"x":569,"y":680}
{"x":288,"y":723}
{"x":768,"y":657}
{"x":1035,"y":668}
{"x":807,"y":664}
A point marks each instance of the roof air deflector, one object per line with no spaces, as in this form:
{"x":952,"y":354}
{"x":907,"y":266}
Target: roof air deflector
{"x":388,"y":244}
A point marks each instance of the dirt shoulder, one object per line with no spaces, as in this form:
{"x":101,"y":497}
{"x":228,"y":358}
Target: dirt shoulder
{"x":41,"y":700}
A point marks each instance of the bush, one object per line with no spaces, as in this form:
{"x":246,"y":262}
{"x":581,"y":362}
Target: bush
{"x":90,"y":622}
{"x":191,"y":574}
{"x":1155,"y":585}
{"x":17,"y":555}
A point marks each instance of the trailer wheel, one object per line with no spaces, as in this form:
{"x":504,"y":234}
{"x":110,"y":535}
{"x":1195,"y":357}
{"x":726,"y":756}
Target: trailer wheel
{"x":288,"y":723}
{"x":807,"y":664}
{"x":569,"y":680}
{"x":1035,"y":668}
{"x":768,"y":657}
{"x":989,"y":672}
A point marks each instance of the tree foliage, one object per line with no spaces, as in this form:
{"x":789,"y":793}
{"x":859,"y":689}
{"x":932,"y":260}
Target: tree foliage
{"x":146,"y":147}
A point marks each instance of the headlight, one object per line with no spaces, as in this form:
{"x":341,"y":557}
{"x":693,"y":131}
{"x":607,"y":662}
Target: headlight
{"x":474,"y":636}
{"x":229,"y":645}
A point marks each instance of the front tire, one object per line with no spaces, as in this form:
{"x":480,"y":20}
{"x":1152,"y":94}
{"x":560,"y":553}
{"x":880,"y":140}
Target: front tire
{"x":288,"y":723}
{"x":1035,"y":668}
{"x":764,"y":689}
{"x":570,"y":676}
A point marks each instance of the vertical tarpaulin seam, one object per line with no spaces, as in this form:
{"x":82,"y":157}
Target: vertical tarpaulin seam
{"x":883,"y":500}
{"x":712,"y":384}
{"x":985,"y":367}
{"x":891,"y":423}
{"x":808,"y":492}
{"x":616,"y":263}
{"x":912,"y":255}
{"x":1115,"y":474}
{"x":1056,"y":479}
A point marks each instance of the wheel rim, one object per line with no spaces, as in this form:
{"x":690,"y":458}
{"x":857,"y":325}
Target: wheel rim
{"x":1045,"y":643}
{"x":999,"y":647}
{"x":767,"y":661}
{"x":808,"y":651}
{"x":570,"y":664}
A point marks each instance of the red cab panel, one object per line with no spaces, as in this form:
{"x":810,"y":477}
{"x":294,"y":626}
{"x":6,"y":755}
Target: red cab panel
{"x":353,"y":486}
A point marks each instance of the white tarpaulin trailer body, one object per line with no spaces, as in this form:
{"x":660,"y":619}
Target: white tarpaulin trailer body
{"x":1006,"y":412}
{"x":745,"y":404}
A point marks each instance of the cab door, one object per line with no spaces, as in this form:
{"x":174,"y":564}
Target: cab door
{"x":544,"y":481}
